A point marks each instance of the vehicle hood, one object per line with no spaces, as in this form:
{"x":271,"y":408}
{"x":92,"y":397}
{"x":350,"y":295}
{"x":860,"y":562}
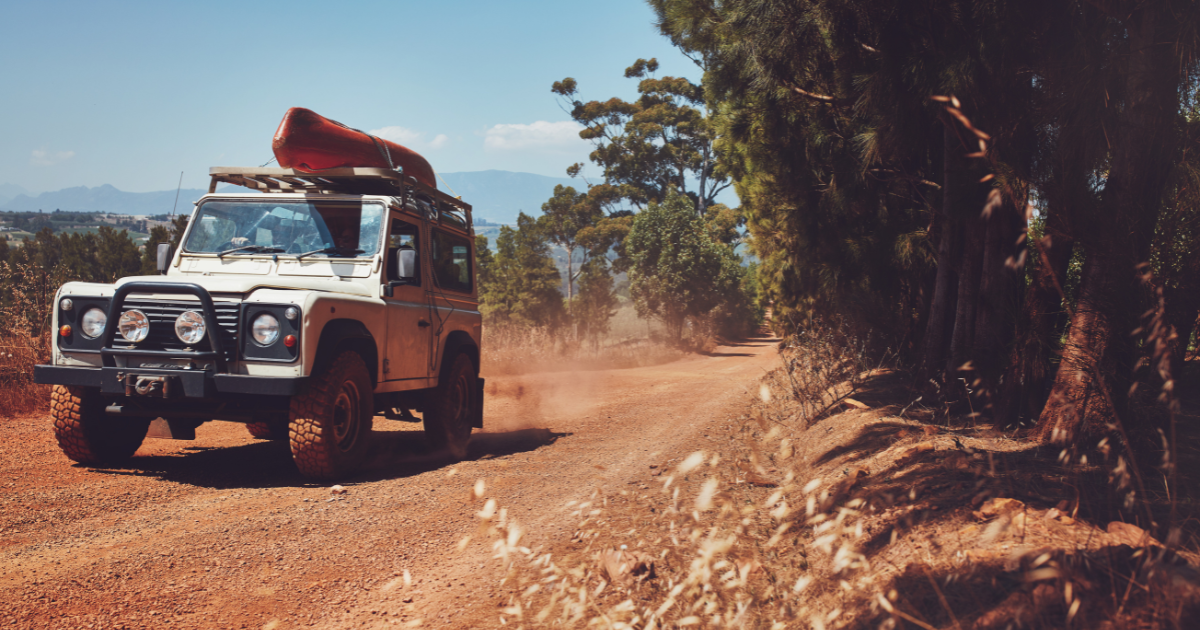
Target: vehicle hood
{"x":247,"y":284}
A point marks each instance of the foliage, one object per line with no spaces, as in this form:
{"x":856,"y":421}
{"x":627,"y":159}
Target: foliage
{"x":885,"y":155}
{"x":678,"y":271}
{"x":661,"y":141}
{"x":596,"y":302}
{"x":520,"y":285}
{"x":161,"y":234}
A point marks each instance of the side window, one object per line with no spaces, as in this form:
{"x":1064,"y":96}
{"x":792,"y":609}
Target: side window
{"x":403,"y":235}
{"x":452,"y":262}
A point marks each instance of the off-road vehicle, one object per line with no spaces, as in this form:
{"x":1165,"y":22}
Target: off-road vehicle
{"x":302,"y":309}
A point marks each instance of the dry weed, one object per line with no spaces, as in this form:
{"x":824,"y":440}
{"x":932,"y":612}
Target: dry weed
{"x":857,"y":520}
{"x":24,"y":334}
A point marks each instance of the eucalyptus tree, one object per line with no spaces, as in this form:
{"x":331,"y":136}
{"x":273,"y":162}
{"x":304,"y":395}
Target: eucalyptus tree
{"x":663,"y":140}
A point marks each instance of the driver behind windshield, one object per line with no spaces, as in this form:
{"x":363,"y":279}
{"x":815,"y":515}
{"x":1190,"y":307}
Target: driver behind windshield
{"x":292,"y":228}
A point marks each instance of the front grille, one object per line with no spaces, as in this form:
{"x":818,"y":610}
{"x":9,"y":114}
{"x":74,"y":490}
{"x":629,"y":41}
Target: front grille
{"x":162,"y":315}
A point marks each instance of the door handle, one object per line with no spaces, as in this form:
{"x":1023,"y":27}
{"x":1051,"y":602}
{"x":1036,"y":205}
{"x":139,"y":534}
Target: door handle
{"x":422,"y":323}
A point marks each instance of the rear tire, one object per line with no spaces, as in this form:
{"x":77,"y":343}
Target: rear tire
{"x":86,"y":434}
{"x":448,"y":412}
{"x":330,"y":422}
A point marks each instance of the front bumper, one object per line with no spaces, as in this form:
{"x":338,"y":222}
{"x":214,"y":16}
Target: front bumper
{"x":193,"y":383}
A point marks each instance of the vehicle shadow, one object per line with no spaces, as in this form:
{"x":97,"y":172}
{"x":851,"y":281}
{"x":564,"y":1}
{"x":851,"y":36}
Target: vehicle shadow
{"x":391,"y":455}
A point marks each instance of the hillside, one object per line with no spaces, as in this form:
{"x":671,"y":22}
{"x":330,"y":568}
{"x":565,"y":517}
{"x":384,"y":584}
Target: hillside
{"x":496,"y":195}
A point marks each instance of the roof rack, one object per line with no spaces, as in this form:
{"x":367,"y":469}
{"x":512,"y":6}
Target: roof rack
{"x":355,"y":181}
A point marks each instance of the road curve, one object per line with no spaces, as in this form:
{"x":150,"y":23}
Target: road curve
{"x":222,"y":532}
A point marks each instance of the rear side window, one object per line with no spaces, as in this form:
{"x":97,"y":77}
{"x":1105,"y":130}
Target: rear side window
{"x":451,"y":262}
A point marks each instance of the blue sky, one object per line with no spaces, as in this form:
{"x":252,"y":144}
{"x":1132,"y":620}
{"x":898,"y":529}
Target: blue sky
{"x":132,"y":93}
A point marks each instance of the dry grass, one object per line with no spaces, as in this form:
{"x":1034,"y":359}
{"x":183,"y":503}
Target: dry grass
{"x":856,"y":516}
{"x":28,"y":295}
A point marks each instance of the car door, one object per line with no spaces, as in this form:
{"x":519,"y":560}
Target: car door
{"x":409,"y":329}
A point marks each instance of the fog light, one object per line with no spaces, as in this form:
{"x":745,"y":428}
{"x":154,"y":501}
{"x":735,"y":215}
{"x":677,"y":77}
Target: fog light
{"x":189,"y":327}
{"x":134,"y":326}
{"x":290,"y":341}
{"x":65,"y":331}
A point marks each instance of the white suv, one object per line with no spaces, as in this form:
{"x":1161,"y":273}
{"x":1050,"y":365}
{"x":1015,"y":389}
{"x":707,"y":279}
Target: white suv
{"x":302,"y":310}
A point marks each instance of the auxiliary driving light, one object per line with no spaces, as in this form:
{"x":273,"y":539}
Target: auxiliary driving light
{"x":134,"y":326}
{"x":265,"y":329}
{"x":92,"y":323}
{"x":189,"y":327}
{"x":66,"y":304}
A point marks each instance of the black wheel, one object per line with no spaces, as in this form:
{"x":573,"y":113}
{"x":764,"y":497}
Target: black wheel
{"x":87,"y":434}
{"x":448,"y":412}
{"x":330,"y":422}
{"x":269,"y":430}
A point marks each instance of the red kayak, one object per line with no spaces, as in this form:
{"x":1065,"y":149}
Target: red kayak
{"x":311,"y":143}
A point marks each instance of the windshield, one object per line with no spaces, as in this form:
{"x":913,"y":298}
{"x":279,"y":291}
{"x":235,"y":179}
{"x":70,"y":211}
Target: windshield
{"x":321,"y":228}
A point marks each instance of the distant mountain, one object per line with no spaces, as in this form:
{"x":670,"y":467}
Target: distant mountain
{"x":8,"y":191}
{"x":499,"y":195}
{"x":496,"y":196}
{"x":104,"y":199}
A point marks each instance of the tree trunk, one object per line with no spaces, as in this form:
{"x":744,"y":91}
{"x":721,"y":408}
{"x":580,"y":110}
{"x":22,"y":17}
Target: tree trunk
{"x":947,"y":227}
{"x":1029,"y":370}
{"x":1093,"y":378}
{"x":971,"y":266}
{"x":998,"y":295}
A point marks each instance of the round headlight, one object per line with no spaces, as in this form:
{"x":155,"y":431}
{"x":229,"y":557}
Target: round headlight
{"x":265,"y":329}
{"x":189,"y":327}
{"x":133,"y":325}
{"x":92,"y":323}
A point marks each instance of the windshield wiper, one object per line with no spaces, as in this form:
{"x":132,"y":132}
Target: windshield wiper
{"x":340,"y":251}
{"x":256,"y":249}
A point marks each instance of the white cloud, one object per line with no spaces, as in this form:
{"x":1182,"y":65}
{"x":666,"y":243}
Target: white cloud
{"x":555,"y":136}
{"x":410,"y":138}
{"x":42,"y":157}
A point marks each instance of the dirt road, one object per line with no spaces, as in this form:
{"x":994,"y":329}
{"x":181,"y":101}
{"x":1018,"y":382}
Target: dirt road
{"x":222,"y":532}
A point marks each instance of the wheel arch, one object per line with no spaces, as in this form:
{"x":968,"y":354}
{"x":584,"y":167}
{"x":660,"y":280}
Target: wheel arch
{"x":346,"y":334}
{"x":456,"y":342}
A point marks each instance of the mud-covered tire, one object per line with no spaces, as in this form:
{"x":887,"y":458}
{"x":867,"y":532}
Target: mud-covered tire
{"x":86,"y":434}
{"x":271,"y":430}
{"x":448,"y":410}
{"x":329,"y":424}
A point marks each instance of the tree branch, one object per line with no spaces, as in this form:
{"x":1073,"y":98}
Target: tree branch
{"x":820,"y":98}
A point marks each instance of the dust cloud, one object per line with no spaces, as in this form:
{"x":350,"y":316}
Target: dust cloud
{"x":540,"y":400}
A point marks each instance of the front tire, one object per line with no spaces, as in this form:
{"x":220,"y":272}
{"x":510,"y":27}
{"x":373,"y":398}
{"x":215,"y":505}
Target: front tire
{"x":448,"y":412}
{"x":270,"y":430}
{"x":86,"y":434}
{"x":329,"y":423}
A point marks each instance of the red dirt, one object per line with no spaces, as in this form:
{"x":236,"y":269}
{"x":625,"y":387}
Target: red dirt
{"x":223,"y":532}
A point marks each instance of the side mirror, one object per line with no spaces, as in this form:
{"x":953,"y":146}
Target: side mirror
{"x":406,"y":265}
{"x":164,"y":258}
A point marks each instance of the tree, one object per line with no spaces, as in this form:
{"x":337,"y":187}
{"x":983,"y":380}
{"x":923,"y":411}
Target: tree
{"x":158,"y":234}
{"x":523,"y":281}
{"x":647,"y":147}
{"x":564,"y":216}
{"x":875,"y":197}
{"x":677,"y":269}
{"x":596,"y":301}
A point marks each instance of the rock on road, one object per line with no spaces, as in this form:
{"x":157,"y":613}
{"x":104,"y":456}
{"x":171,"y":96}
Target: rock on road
{"x":222,"y":532}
